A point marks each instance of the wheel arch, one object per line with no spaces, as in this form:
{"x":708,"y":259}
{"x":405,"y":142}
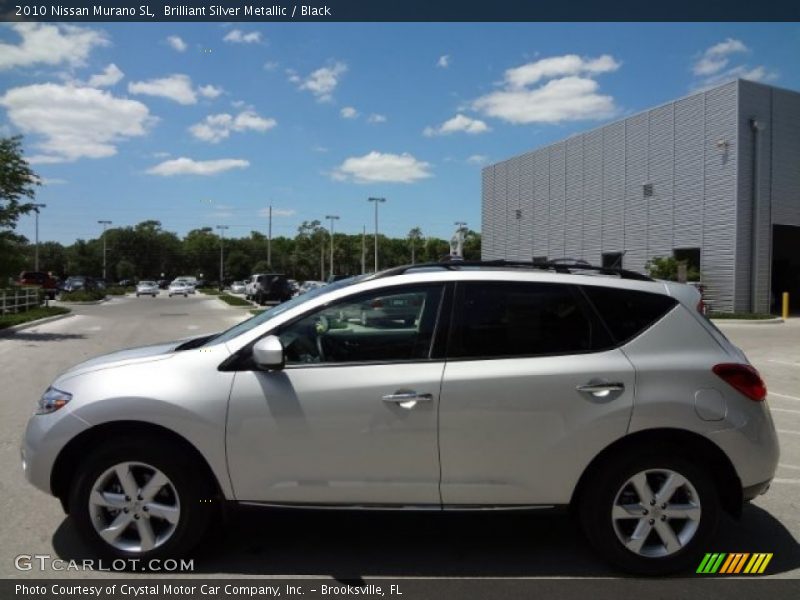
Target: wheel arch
{"x":66,"y":464}
{"x":687,"y":444}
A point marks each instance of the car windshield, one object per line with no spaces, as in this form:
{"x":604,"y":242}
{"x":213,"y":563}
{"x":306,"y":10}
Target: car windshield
{"x":268,"y":314}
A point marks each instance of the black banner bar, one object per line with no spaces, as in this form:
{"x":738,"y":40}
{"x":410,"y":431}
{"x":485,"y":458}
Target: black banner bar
{"x":398,"y":10}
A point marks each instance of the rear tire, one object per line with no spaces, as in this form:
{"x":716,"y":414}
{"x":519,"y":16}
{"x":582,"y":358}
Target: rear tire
{"x":650,"y":514}
{"x":177,"y":515}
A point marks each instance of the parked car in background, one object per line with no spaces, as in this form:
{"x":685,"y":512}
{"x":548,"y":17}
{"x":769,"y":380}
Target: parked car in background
{"x":40,"y":279}
{"x":394,"y":310}
{"x":147,"y":288}
{"x":307,"y":286}
{"x":163,"y":284}
{"x":179,"y":288}
{"x":238,"y":287}
{"x":272,"y":287}
{"x":73,"y":283}
{"x":189,"y":282}
{"x":250,"y":286}
{"x":125,"y":282}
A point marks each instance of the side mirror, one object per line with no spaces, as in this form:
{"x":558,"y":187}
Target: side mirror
{"x":268,"y":353}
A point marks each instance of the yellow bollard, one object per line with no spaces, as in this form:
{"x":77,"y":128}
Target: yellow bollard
{"x":785,"y":306}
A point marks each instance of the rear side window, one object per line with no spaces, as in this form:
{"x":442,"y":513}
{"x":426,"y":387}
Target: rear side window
{"x":522,"y":319}
{"x":627,"y":313}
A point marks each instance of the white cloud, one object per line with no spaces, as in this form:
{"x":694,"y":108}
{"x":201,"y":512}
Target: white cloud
{"x":271,"y":65}
{"x":74,"y":122}
{"x":348,"y":112}
{"x":177,"y":43}
{"x":377,"y":167}
{"x":215,"y":128}
{"x":237,"y":36}
{"x":564,"y":99}
{"x":277,"y":212}
{"x":111,"y":75}
{"x":320,"y":149}
{"x":443,"y":62}
{"x":175,"y":87}
{"x":50,"y":44}
{"x":188,"y":166}
{"x":559,"y":66}
{"x":477,"y":159}
{"x":209,"y":91}
{"x":716,"y":58}
{"x":53,"y":181}
{"x":321,"y":82}
{"x":459,"y":123}
{"x":376,"y":118}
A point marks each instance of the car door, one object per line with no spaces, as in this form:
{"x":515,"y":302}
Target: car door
{"x":532,"y":391}
{"x":351,"y":419}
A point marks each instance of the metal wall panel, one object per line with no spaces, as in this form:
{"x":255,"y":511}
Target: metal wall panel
{"x":754,"y":103}
{"x":688,"y":190}
{"x":573,"y":218}
{"x":501,"y":232}
{"x":785,"y":157}
{"x":558,"y":191}
{"x":526,"y":207}
{"x":541,"y":207}
{"x":661,"y":174}
{"x":613,"y":187}
{"x":488,"y":218}
{"x":635,"y":213}
{"x":593,"y":196}
{"x":513,"y":224}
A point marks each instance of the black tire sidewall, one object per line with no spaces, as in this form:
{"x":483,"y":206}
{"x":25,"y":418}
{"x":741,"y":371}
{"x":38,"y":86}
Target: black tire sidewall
{"x":599,"y":496}
{"x":195,"y":494}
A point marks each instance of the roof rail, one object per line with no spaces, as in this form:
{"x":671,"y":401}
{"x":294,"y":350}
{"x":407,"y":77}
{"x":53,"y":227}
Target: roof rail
{"x":557,"y":265}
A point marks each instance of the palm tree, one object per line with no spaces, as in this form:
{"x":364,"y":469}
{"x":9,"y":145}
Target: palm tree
{"x":414,"y":235}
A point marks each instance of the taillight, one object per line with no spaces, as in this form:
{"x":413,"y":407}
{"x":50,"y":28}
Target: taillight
{"x":743,"y":378}
{"x":701,"y":307}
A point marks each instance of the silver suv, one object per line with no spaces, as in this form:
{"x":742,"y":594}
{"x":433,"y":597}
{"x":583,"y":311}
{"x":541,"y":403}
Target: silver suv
{"x":511,"y":387}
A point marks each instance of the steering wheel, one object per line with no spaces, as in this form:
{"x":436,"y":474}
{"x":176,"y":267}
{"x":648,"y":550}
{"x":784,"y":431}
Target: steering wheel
{"x":321,"y":326}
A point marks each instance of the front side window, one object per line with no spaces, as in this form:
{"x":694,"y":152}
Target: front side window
{"x":380,"y":326}
{"x":522,"y":319}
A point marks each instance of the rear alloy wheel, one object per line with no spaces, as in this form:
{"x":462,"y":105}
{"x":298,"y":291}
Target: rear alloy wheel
{"x":650,"y":515}
{"x":141,"y":500}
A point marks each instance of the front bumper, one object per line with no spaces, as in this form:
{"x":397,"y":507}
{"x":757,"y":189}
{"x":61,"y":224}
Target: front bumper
{"x":45,"y":437}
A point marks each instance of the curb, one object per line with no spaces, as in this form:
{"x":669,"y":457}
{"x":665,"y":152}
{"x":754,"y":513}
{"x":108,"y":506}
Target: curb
{"x":775,"y":321}
{"x":87,"y":303}
{"x":250,"y":306}
{"x":35,"y":323}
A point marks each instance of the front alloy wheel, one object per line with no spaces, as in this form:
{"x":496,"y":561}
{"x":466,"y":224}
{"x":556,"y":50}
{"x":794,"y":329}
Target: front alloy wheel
{"x":134,"y":507}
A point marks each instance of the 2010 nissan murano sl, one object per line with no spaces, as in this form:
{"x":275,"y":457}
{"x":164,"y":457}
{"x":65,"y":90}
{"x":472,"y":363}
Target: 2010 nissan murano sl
{"x":512,"y":387}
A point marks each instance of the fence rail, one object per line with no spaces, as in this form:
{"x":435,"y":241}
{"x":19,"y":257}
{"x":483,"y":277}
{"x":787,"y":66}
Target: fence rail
{"x":17,"y":300}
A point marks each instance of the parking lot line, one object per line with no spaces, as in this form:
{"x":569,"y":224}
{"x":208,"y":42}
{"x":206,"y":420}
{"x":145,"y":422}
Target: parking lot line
{"x":783,"y":396}
{"x":781,"y":480}
{"x":784,"y":362}
{"x":783,"y":466}
{"x":786,"y":410}
{"x":789,"y":431}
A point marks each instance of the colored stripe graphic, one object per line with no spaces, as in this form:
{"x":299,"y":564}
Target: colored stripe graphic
{"x":733,"y":563}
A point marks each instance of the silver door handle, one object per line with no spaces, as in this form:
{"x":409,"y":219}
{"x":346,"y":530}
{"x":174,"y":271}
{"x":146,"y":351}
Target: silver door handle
{"x":601,"y":390}
{"x":407,"y":399}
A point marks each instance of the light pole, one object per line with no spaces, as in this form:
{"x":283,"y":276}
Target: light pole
{"x":332,"y":218}
{"x":376,"y":201}
{"x":104,"y":224}
{"x":269,"y":239}
{"x":36,"y":208}
{"x":222,"y":229}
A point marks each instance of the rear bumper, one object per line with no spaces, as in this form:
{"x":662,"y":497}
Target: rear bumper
{"x":752,"y":492}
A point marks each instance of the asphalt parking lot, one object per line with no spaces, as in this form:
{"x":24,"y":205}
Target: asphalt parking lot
{"x":350,"y":546}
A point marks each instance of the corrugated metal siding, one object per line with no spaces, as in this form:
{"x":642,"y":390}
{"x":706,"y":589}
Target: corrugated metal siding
{"x":689,"y":168}
{"x":489,"y":217}
{"x":573,"y":219}
{"x":613,"y":187}
{"x":526,"y":206}
{"x":661,"y":174}
{"x":593,"y":196}
{"x":754,"y":102}
{"x":719,"y":208}
{"x":541,"y":202}
{"x":786,"y":157}
{"x":635,"y":213}
{"x":558,"y":190}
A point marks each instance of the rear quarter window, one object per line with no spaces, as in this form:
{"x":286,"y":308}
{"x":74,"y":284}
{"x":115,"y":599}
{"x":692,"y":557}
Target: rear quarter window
{"x":627,"y":313}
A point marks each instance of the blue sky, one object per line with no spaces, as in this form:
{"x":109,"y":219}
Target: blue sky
{"x":207,"y":124}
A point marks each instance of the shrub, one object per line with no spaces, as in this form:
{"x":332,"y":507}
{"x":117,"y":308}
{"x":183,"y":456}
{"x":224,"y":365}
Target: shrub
{"x":667,"y":268}
{"x":234,"y":300}
{"x":116,"y":291}
{"x":31,"y":315}
{"x":83,"y":296}
{"x":747,"y":316}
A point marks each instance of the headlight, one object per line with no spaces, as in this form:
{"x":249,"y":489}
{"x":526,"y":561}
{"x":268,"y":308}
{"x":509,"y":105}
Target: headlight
{"x":52,"y":400}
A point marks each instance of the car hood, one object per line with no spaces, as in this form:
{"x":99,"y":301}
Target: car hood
{"x":123,"y":357}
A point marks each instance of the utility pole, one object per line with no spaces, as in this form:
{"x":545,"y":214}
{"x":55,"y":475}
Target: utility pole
{"x":222,"y":229}
{"x":36,"y":208}
{"x":364,"y":250}
{"x":269,"y":239}
{"x":376,"y":201}
{"x":332,"y":218}
{"x":104,"y":223}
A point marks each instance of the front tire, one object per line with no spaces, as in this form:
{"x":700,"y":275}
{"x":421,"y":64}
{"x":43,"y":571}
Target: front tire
{"x":650,"y":514}
{"x":141,"y":499}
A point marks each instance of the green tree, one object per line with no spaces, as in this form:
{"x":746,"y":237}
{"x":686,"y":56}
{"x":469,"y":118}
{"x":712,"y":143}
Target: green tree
{"x":17,"y":188}
{"x":125,"y":269}
{"x":666,"y":267}
{"x":414,"y":236}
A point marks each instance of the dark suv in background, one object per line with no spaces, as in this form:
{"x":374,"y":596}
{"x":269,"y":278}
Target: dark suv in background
{"x":272,"y":287}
